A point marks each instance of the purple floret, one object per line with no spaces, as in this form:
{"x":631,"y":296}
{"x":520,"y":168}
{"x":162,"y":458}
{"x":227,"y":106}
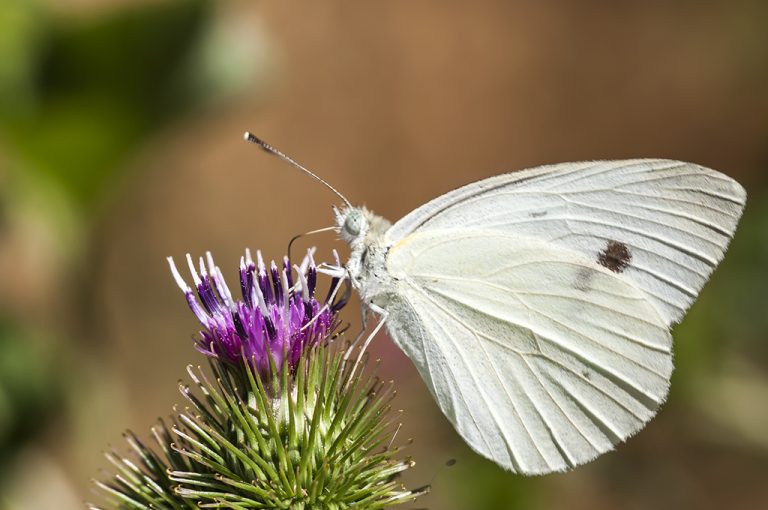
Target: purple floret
{"x":276,"y":316}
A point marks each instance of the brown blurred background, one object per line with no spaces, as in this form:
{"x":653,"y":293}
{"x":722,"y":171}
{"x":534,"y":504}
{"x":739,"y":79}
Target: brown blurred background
{"x":120,"y":144}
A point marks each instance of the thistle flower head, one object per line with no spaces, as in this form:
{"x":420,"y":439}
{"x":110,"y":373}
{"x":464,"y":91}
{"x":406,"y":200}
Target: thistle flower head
{"x":275,"y":321}
{"x":286,"y":421}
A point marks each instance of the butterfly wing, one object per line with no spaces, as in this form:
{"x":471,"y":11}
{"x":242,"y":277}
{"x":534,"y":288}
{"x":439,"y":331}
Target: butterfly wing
{"x":663,"y":224}
{"x":541,"y":358}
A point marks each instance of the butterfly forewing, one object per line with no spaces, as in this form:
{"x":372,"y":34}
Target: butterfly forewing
{"x":664,"y":225}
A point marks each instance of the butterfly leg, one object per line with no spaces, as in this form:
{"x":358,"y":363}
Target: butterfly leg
{"x":360,"y":334}
{"x":364,"y":322}
{"x":383,"y":314}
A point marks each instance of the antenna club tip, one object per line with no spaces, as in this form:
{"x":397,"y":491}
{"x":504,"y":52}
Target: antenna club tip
{"x":250,"y":137}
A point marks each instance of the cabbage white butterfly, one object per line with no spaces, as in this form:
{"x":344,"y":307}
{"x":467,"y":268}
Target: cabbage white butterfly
{"x":537,"y":305}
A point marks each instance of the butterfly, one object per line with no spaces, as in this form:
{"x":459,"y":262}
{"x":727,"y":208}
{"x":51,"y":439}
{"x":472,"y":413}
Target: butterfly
{"x":537,"y":305}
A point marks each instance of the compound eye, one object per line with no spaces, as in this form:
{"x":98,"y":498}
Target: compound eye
{"x":353,"y":224}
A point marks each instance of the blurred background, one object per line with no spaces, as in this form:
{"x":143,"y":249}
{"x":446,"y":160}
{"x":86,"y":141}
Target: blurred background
{"x":121,"y":143}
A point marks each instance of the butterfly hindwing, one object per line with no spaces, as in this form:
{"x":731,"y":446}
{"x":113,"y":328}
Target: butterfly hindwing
{"x":541,"y":358}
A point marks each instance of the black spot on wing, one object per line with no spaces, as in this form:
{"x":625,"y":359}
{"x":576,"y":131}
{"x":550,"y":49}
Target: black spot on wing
{"x":615,"y":256}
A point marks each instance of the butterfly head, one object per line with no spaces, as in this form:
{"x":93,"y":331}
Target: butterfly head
{"x":352,"y":223}
{"x":359,"y":227}
{"x":364,"y":232}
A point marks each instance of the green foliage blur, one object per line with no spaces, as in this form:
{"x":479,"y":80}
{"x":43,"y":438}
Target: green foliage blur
{"x":78,"y":96}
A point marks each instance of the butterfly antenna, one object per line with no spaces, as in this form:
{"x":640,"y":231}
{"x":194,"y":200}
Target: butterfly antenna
{"x":250,"y":137}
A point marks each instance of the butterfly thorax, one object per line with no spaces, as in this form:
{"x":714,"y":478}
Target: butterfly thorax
{"x":364,"y":232}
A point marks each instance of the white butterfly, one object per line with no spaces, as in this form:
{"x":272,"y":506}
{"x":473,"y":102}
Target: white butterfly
{"x":537,"y":305}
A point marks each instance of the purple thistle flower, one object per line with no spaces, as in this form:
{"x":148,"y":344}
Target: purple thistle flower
{"x":276,"y":317}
